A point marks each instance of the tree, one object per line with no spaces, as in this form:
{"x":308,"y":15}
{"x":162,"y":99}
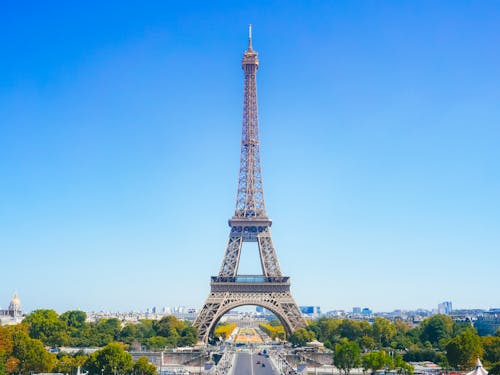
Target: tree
{"x":274,"y":331}
{"x":46,"y":326}
{"x":146,"y":328}
{"x":367,"y":342}
{"x":130,"y":333}
{"x":376,"y":361}
{"x":436,"y":328}
{"x":401,"y":340}
{"x":74,"y":318}
{"x":491,"y":345}
{"x":347,"y":356}
{"x":326,"y":330}
{"x":495,"y":369}
{"x":110,"y":360}
{"x":301,"y":336}
{"x":176,"y":332}
{"x":354,"y":330}
{"x":156,"y":342}
{"x":401,"y":366}
{"x":383,"y":331}
{"x":224,"y":330}
{"x":143,"y":367}
{"x":188,"y":336}
{"x":6,"y":348}
{"x":420,"y":355}
{"x":167,"y":326}
{"x":463,"y":350}
{"x":69,"y":364}
{"x":30,"y":355}
{"x":109,"y":327}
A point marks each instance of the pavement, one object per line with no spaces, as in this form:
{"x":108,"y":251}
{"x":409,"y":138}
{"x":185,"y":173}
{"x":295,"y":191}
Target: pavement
{"x":245,"y":363}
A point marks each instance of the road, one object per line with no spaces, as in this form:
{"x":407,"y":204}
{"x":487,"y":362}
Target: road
{"x":246,"y":364}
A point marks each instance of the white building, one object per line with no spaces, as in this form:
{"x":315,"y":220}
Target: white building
{"x":12,"y":315}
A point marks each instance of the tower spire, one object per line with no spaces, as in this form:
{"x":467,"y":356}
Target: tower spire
{"x":250,"y":37}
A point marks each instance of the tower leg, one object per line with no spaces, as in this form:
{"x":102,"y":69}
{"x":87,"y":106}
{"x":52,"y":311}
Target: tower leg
{"x":231,"y":259}
{"x":268,"y":257}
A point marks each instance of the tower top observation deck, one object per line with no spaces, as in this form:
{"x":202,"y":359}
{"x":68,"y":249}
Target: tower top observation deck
{"x":250,"y":57}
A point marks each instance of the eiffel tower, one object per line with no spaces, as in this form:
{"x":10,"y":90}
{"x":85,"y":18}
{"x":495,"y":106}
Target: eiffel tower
{"x":250,"y":223}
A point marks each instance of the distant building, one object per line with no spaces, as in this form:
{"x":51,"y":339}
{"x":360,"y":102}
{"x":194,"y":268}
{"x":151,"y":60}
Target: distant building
{"x":336,"y":314}
{"x":488,"y":323}
{"x":445,"y":308}
{"x":13,"y":314}
{"x":310,"y":310}
{"x":366,"y":311}
{"x":356,"y":310}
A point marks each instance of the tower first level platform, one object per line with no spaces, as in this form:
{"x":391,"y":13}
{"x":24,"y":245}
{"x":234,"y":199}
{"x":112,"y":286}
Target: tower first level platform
{"x":272,"y":293}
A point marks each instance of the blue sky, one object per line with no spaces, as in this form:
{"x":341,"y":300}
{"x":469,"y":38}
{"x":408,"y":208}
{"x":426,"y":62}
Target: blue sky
{"x":120,"y":128}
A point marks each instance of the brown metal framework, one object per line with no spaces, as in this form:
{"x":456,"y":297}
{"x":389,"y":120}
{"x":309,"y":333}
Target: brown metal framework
{"x":250,"y":223}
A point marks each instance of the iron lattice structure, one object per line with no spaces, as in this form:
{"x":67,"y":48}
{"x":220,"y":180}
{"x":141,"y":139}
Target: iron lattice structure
{"x":250,"y":223}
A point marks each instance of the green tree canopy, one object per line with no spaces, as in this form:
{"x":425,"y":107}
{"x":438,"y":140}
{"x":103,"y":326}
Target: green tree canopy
{"x":176,"y":332}
{"x":420,"y":355}
{"x":301,"y":336}
{"x":383,"y":331}
{"x":110,"y":360}
{"x":495,"y":369}
{"x":30,"y":354}
{"x":46,"y":326}
{"x":347,"y":356}
{"x":491,"y":345}
{"x":376,"y":360}
{"x":463,"y":350}
{"x":167,"y":325}
{"x":143,"y":367}
{"x":156,"y":342}
{"x":401,"y":366}
{"x":436,"y":328}
{"x":111,"y":327}
{"x":188,"y":336}
{"x":69,"y":364}
{"x":74,"y":318}
{"x":353,"y":330}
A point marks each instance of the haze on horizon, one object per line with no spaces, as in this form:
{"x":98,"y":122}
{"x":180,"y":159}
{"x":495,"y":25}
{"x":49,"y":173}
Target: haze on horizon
{"x":120,"y":141}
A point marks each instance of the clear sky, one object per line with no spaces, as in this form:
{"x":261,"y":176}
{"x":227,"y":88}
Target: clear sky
{"x":120,"y":125}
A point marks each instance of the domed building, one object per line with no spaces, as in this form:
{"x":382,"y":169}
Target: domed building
{"x":13,"y":314}
{"x":15,"y":306}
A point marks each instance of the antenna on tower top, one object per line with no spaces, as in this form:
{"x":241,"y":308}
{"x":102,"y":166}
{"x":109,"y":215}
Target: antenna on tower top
{"x":250,"y":36}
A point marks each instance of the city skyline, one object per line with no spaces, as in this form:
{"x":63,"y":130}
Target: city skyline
{"x":120,"y":143}
{"x":444,"y":307}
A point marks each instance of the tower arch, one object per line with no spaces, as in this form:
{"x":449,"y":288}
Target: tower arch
{"x":268,"y":306}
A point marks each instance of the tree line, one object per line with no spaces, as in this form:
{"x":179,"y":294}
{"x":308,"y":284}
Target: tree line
{"x":224,"y":330}
{"x":72,"y":329}
{"x":453,"y":345}
{"x":21,"y":354}
{"x":274,"y":329}
{"x":23,"y":347}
